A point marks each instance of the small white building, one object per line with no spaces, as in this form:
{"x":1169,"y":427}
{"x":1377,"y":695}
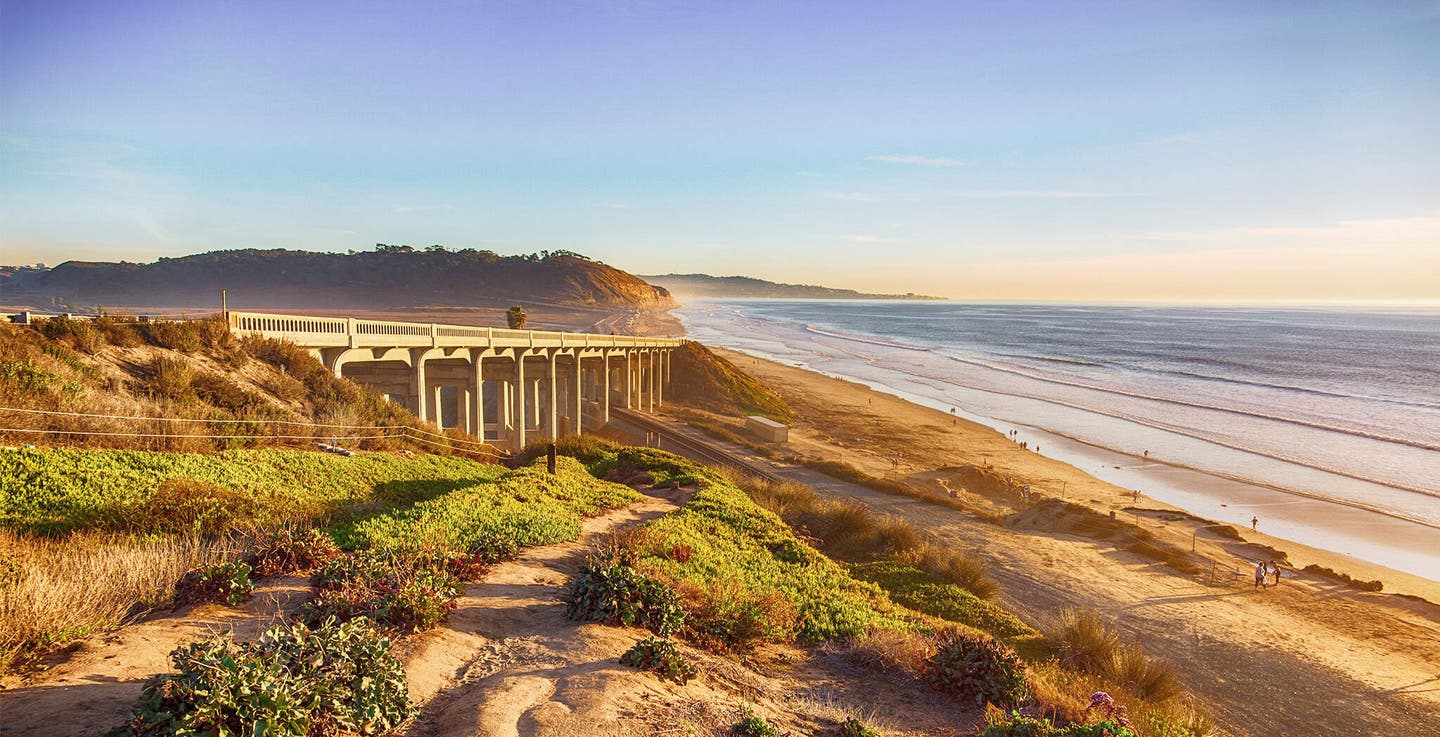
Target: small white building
{"x":767,"y":429}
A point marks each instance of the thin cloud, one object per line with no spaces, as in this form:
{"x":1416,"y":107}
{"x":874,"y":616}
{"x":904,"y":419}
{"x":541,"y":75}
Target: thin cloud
{"x":863,"y":238}
{"x":1030,"y":194}
{"x":913,"y":160}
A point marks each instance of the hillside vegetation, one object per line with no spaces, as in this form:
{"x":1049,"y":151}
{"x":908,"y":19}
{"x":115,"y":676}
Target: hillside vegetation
{"x":388,"y":277}
{"x":193,"y":386}
{"x":392,"y":542}
{"x":700,"y":378}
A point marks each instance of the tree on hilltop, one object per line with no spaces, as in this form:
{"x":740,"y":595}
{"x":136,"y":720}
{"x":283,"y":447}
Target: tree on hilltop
{"x":515,"y":317}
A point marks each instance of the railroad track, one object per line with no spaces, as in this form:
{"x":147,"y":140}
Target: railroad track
{"x":681,"y":442}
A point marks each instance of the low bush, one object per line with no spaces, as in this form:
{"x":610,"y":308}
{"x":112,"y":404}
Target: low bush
{"x":169,"y":378}
{"x":855,"y":728}
{"x":753,"y":726}
{"x":966,"y":570}
{"x":295,"y":681}
{"x":726,"y":616}
{"x":227,"y":583}
{"x":187,"y":505}
{"x":1017,"y":725}
{"x":911,"y":587}
{"x":660,"y":657}
{"x":286,"y":551}
{"x":611,"y":591}
{"x":978,"y":668}
{"x":78,"y":334}
{"x":409,"y":594}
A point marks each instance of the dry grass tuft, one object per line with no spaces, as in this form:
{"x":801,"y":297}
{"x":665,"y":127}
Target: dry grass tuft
{"x":902,"y":652}
{"x":1086,"y":642}
{"x":952,"y":565}
{"x":73,"y":586}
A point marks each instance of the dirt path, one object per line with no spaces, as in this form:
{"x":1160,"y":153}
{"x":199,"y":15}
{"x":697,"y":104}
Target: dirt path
{"x":95,"y":686}
{"x":508,"y":663}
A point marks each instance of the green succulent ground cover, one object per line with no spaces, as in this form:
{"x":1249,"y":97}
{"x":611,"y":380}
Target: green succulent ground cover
{"x":521,"y":508}
{"x":911,"y":587}
{"x":733,"y":545}
{"x":58,"y":490}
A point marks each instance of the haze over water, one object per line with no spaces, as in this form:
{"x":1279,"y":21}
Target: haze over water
{"x":1324,"y":422}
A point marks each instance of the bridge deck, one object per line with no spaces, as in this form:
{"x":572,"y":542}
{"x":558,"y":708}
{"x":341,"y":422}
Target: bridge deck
{"x":342,"y":332}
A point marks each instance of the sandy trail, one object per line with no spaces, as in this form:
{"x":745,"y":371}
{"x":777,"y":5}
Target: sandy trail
{"x":508,"y":663}
{"x":1307,"y":658}
{"x":95,"y":686}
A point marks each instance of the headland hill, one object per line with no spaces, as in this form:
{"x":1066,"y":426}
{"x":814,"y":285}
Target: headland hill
{"x":881,"y":574}
{"x":704,"y":286}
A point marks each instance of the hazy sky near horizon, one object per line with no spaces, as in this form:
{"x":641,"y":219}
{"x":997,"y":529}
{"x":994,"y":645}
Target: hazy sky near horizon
{"x":987,"y":150}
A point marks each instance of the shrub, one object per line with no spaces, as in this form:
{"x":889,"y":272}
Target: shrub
{"x":286,"y":551}
{"x":855,"y":728}
{"x":753,"y":726}
{"x":224,"y":582}
{"x":79,"y":334}
{"x":977,"y":667}
{"x":911,"y":587}
{"x":182,"y":504}
{"x":170,"y":378}
{"x":295,"y":681}
{"x":411,"y":594}
{"x":610,"y":591}
{"x":660,"y":657}
{"x":726,"y":616}
{"x":1016,"y":725}
{"x":966,"y":570}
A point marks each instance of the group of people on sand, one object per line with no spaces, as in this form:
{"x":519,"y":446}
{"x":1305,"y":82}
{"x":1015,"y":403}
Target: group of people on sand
{"x":1263,"y":572}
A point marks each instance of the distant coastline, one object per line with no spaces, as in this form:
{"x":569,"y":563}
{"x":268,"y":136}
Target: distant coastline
{"x":705,"y":286}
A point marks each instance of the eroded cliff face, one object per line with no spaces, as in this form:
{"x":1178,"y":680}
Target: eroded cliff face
{"x":373,"y":279}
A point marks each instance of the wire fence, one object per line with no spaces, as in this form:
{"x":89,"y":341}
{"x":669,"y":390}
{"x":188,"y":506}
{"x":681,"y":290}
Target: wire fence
{"x":319,"y":430}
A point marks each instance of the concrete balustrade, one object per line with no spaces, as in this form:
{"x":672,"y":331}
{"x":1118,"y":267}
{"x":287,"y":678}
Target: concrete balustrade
{"x":506,"y":386}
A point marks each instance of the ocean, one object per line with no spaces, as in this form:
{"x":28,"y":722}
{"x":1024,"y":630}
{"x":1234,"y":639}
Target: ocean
{"x":1323,"y":422}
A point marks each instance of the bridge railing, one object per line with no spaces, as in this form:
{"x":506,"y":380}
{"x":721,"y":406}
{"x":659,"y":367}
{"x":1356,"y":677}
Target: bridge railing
{"x":341,"y":331}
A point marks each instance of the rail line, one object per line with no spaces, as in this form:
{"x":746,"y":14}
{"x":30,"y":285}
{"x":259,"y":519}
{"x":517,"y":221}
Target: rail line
{"x":682,"y":443}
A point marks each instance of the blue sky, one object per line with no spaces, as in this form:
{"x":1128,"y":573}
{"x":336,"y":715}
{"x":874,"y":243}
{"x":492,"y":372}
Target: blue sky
{"x":1021,"y":150}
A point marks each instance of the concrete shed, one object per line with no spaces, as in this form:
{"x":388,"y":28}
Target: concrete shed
{"x":767,"y":429}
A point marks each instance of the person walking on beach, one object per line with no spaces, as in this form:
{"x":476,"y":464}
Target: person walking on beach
{"x":1275,"y":569}
{"x":1254,"y":524}
{"x":1260,"y":574}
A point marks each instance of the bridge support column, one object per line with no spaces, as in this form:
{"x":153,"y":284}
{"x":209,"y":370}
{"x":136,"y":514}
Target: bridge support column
{"x":418,"y":390}
{"x":629,"y":381}
{"x":578,"y":401}
{"x":654,"y":382}
{"x":476,"y":424}
{"x":554,"y":424}
{"x":519,"y":404}
{"x":605,"y":388}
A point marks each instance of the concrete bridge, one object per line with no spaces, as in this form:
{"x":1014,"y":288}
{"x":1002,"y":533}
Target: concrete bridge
{"x":506,"y":386}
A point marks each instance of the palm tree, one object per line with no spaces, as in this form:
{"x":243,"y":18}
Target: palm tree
{"x":515,"y":317}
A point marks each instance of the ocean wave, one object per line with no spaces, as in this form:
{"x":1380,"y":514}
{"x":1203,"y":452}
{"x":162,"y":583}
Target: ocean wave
{"x":1191,"y":433}
{"x":872,"y":341}
{"x":1194,"y":405}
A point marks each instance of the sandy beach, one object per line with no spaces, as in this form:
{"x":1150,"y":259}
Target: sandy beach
{"x":869,"y":429}
{"x":1311,"y":642}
